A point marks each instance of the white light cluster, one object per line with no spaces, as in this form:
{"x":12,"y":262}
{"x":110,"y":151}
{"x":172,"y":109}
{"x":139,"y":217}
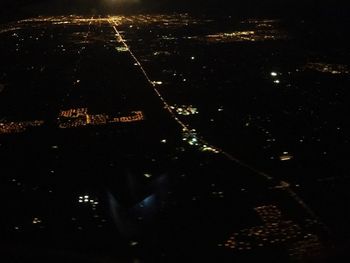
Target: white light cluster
{"x":192,"y":139}
{"x":185,"y":110}
{"x":86,"y":199}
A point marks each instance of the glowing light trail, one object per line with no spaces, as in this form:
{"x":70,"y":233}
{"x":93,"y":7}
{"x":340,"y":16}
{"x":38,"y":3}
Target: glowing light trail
{"x":283,"y":185}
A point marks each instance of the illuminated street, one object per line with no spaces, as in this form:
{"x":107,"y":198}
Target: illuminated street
{"x":170,"y":138}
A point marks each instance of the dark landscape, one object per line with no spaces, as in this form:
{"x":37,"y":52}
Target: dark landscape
{"x":140,"y":131}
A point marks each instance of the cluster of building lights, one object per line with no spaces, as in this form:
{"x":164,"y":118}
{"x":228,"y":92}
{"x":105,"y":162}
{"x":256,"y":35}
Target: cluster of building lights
{"x":286,"y":156}
{"x":335,"y":69}
{"x":73,"y":118}
{"x":18,"y":127}
{"x":192,"y":139}
{"x":79,"y":117}
{"x":275,"y":231}
{"x":275,"y":75}
{"x":86,"y":199}
{"x":36,"y":221}
{"x":261,"y":30}
{"x":122,"y":49}
{"x":185,"y":110}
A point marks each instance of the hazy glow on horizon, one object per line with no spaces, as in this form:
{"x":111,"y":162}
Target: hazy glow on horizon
{"x":122,"y":1}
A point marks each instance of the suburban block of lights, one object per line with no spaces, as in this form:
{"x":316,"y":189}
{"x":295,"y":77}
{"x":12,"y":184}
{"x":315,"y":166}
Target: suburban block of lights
{"x":17,"y":127}
{"x":262,"y":30}
{"x":79,"y":117}
{"x":73,"y":118}
{"x":336,"y":69}
{"x":275,"y":231}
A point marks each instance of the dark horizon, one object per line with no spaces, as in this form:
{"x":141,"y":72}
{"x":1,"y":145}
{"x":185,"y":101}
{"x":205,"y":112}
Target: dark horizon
{"x":268,"y":8}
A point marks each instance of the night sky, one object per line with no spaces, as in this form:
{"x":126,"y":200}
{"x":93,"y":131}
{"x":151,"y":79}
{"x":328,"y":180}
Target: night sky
{"x":289,"y":8}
